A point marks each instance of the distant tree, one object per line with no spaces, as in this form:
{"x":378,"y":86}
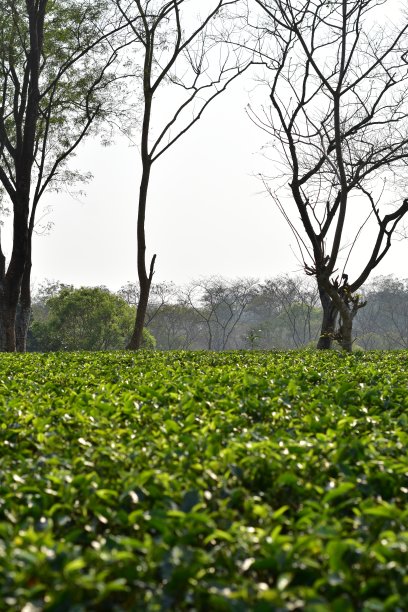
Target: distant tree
{"x":339,"y":122}
{"x":59,"y":79}
{"x":251,"y":338}
{"x":177,"y":48}
{"x":284,"y":312}
{"x":177,"y":327}
{"x":39,"y":307}
{"x":130,"y":293}
{"x":296,"y":300}
{"x":161,"y":294}
{"x":220,"y":304}
{"x":383,"y":324}
{"x":261,"y":317}
{"x":89,"y":318}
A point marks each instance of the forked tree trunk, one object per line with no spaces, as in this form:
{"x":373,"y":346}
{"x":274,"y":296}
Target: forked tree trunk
{"x":329,"y":320}
{"x":346,"y":306}
{"x":25,"y":118}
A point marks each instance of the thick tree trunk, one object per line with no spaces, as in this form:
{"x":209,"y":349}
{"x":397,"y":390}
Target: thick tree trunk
{"x":7,"y":323}
{"x":328,"y":328}
{"x":8,"y":310}
{"x":25,"y":116}
{"x":346,"y":306}
{"x":24,"y":307}
{"x":24,"y":310}
{"x":345,"y":335}
{"x":10,"y":281}
{"x":2,"y":301}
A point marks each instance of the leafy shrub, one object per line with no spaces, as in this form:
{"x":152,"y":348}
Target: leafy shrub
{"x":203,"y":481}
{"x":88,"y":318}
{"x":148,"y":340}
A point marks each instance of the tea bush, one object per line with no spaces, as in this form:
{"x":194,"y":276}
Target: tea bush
{"x":202,"y":481}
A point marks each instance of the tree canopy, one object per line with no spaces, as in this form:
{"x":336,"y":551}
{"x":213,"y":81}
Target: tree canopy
{"x":59,"y":80}
{"x":88,"y":318}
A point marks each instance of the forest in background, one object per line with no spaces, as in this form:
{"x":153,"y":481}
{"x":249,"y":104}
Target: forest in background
{"x":212,"y":313}
{"x":334,"y":109}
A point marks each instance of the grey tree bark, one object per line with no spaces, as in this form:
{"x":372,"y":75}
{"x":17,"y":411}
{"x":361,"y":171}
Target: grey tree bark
{"x":329,"y":320}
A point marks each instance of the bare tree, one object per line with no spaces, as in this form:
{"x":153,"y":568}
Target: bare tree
{"x":177,"y":327}
{"x":338,"y":118}
{"x":220,"y":304}
{"x":296,"y":301}
{"x":56,"y":65}
{"x":161,"y":295}
{"x":383,"y":324}
{"x":178,"y":49}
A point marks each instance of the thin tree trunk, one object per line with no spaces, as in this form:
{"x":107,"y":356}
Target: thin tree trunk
{"x":136,"y":340}
{"x":145,"y":280}
{"x":330,"y":312}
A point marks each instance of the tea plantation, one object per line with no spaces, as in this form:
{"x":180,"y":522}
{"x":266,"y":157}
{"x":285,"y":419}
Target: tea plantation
{"x":203,"y":481}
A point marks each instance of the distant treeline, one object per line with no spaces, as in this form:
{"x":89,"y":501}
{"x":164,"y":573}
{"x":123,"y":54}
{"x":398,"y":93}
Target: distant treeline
{"x":211,"y":313}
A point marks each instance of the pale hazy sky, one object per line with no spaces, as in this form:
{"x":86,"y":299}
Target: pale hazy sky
{"x":207,"y":212}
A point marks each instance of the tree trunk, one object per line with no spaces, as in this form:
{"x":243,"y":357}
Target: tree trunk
{"x":136,"y":340}
{"x":8,"y":310}
{"x":7,"y":323}
{"x":328,"y":328}
{"x":24,"y":309}
{"x":23,"y":316}
{"x":25,"y":117}
{"x":345,"y":335}
{"x":10,"y":281}
{"x":145,"y":280}
{"x":346,"y":305}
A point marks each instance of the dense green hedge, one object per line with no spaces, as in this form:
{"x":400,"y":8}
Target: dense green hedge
{"x":202,"y":481}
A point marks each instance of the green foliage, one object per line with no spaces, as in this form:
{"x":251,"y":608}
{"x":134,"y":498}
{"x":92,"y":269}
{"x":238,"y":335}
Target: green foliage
{"x":203,"y":481}
{"x":89,"y":318}
{"x":148,"y":340}
{"x":78,"y":86}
